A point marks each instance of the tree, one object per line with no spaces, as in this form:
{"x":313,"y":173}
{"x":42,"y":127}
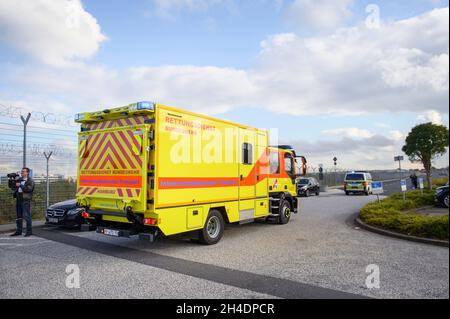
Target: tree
{"x":426,"y":142}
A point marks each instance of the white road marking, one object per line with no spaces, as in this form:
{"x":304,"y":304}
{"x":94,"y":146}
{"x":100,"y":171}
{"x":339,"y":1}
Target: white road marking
{"x":17,"y":238}
{"x":25,"y":245}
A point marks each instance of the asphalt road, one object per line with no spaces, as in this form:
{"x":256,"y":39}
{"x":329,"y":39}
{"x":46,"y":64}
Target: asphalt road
{"x":319,"y":254}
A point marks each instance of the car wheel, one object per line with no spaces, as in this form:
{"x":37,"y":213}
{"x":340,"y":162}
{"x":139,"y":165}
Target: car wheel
{"x":317,"y":193}
{"x":285,"y":212}
{"x":446,"y":201}
{"x":307,"y":193}
{"x":212,"y":231}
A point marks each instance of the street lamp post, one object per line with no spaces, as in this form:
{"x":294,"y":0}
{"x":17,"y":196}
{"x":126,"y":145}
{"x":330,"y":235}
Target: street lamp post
{"x":399,"y":159}
{"x":335,"y":172}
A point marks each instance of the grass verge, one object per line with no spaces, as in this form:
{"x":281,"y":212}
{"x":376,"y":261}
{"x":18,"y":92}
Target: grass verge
{"x":393,"y":214}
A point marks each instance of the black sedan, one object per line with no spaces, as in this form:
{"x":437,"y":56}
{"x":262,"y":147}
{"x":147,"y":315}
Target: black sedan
{"x":441,"y":196}
{"x":308,"y":186}
{"x":65,"y":213}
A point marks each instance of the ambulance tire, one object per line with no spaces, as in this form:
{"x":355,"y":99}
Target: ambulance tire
{"x":212,"y":232}
{"x":285,"y":212}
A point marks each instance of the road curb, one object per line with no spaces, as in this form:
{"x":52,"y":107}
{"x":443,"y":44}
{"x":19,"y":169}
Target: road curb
{"x":436,"y":242}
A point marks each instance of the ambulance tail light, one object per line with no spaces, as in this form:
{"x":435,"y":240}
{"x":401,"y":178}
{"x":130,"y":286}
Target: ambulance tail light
{"x":150,"y":221}
{"x":86,"y":215}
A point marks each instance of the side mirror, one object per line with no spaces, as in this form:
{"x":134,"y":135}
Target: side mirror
{"x":302,"y":166}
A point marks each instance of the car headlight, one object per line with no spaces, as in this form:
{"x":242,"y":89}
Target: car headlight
{"x":75,"y":211}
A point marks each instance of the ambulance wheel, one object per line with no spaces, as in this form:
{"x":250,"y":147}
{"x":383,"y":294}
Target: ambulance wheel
{"x":212,"y":232}
{"x":285,"y":212}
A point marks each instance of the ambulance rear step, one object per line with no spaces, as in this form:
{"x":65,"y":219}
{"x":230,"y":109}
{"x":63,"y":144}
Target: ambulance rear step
{"x":150,"y":235}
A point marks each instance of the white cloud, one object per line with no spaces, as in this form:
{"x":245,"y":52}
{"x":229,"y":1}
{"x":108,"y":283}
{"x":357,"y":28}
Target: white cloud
{"x":319,"y":15}
{"x":396,"y":135}
{"x":54,"y":32}
{"x":353,"y":153}
{"x":376,"y":152}
{"x":431,"y":116}
{"x":350,"y":132}
{"x":412,"y":68}
{"x":203,"y":89}
{"x":396,"y":68}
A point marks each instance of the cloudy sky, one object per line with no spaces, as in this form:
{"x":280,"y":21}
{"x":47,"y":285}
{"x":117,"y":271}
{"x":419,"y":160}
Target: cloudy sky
{"x":345,"y":78}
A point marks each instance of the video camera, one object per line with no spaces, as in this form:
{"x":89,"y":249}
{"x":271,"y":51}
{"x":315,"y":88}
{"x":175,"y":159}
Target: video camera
{"x":13,"y":178}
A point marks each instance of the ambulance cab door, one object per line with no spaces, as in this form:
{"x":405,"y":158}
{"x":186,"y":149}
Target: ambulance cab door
{"x":262,"y":174}
{"x":247,"y":174}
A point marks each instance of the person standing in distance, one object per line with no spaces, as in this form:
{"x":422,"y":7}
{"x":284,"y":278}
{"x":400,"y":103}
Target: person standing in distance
{"x":23,"y":194}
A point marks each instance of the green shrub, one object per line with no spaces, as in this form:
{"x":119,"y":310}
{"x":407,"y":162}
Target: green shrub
{"x":392,"y":214}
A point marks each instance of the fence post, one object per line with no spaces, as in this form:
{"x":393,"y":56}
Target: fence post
{"x":47,"y":157}
{"x":25,"y":122}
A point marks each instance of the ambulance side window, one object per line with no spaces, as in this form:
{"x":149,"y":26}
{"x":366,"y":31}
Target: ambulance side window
{"x":247,"y":153}
{"x":289,"y":164}
{"x":274,"y":163}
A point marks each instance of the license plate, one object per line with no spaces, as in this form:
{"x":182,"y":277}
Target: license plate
{"x":111,"y":232}
{"x":53,"y":220}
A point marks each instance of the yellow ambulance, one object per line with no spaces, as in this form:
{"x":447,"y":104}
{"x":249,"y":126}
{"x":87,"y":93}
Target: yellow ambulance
{"x":147,"y":169}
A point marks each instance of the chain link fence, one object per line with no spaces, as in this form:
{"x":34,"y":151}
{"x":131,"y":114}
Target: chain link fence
{"x":45,"y":133}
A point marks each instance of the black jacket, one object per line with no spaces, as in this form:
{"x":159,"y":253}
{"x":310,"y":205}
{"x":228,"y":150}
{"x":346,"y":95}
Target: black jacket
{"x":27,"y":189}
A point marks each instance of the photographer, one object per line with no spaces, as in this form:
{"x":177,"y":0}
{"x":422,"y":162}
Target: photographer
{"x":23,"y":192}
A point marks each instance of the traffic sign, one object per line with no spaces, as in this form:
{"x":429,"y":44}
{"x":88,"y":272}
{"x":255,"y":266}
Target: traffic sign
{"x":403,"y":185}
{"x":399,"y":158}
{"x":377,"y":188}
{"x":421,"y":183}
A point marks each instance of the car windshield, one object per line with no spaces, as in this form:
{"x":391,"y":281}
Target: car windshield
{"x":303,"y":181}
{"x":354,"y":177}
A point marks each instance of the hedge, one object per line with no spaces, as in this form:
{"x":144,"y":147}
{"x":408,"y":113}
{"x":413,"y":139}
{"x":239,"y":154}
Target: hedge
{"x":395,"y":214}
